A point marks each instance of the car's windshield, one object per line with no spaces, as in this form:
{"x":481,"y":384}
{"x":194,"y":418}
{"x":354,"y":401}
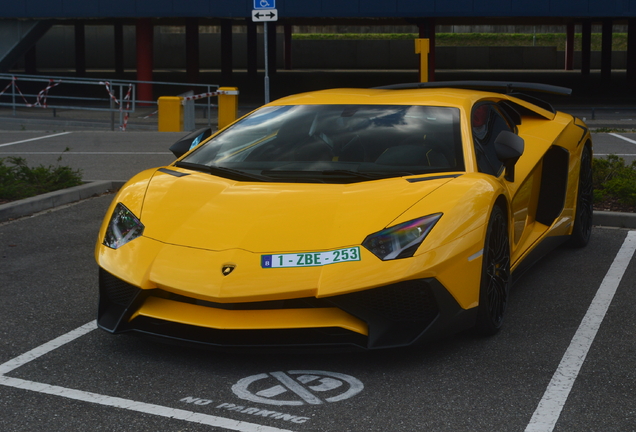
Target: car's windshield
{"x":337,"y":143}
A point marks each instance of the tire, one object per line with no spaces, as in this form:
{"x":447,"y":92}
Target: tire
{"x":582,"y":230}
{"x":495,"y":275}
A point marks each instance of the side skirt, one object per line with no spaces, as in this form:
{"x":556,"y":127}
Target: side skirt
{"x":545,"y":246}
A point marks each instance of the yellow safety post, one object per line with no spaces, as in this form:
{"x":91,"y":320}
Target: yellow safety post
{"x":422,"y":47}
{"x":228,"y":105}
{"x":170,"y":114}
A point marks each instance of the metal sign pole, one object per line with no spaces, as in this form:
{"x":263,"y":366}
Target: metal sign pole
{"x":266,"y":63}
{"x":265,"y":10}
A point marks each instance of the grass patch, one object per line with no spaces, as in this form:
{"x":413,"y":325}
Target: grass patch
{"x":614,"y":179}
{"x":18,"y":180}
{"x":619,"y":40}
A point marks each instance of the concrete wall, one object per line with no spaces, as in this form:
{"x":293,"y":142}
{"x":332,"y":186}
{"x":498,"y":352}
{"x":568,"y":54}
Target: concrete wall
{"x":56,"y":51}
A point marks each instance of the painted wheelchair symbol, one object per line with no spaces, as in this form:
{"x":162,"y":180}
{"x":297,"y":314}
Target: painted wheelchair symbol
{"x":297,"y":387}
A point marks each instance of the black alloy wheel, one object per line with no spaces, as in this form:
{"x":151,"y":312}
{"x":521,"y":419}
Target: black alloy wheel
{"x":495,"y":277}
{"x":582,"y":230}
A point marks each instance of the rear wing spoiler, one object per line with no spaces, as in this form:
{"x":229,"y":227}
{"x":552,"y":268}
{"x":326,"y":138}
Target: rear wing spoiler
{"x":510,"y":88}
{"x":500,"y":86}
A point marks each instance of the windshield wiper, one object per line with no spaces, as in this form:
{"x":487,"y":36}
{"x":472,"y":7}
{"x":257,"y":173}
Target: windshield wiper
{"x":331,"y":175}
{"x":228,"y":173}
{"x":295,"y":175}
{"x":370,"y":175}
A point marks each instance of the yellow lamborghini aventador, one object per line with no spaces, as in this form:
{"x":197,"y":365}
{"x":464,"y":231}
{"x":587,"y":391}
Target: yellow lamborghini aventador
{"x":367,"y":218}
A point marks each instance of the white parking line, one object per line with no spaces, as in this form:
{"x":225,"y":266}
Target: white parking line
{"x":115,"y":402}
{"x":141,"y":407}
{"x":34,"y":139}
{"x":547,"y":413}
{"x":623,"y":138}
{"x":47,"y":347}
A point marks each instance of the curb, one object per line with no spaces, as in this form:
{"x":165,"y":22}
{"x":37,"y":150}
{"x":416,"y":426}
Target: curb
{"x":614,"y":219}
{"x":50,"y":200}
{"x":28,"y":206}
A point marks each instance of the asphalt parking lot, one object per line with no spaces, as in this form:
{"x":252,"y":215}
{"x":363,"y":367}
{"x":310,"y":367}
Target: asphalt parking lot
{"x":619,"y":144}
{"x":101,"y":155}
{"x":565,"y":360}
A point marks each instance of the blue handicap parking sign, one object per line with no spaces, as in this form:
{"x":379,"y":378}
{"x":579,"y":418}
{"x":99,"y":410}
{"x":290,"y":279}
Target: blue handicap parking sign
{"x":264,"y":4}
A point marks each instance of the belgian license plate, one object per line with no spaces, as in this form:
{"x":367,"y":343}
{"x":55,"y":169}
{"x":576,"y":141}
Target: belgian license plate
{"x":311,"y":259}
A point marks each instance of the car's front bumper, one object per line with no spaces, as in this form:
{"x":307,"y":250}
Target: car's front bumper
{"x":399,"y":314}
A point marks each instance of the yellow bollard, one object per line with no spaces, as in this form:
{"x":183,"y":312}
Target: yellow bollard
{"x":170,"y":114}
{"x":422,"y":47}
{"x":228,"y":105}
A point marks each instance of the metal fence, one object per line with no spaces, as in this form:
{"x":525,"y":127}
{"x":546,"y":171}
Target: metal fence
{"x":89,"y":94}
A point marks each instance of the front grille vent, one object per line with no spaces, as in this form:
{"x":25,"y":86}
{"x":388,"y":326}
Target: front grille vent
{"x":401,"y":302}
{"x":117,"y":291}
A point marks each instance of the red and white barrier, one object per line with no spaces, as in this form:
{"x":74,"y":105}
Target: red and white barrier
{"x":126,"y":98}
{"x":123,"y":126}
{"x":7,"y":87}
{"x":209,"y":94}
{"x":150,"y":115}
{"x":44,"y":93}
{"x":40,"y":100}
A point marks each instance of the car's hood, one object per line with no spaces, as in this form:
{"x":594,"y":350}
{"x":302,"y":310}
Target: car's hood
{"x":203,"y":211}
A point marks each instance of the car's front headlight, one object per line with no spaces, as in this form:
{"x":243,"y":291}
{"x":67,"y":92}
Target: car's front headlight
{"x":400,"y":241}
{"x":123,"y":227}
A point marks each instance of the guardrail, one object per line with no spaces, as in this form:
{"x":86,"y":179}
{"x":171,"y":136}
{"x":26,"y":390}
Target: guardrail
{"x":86,"y":94}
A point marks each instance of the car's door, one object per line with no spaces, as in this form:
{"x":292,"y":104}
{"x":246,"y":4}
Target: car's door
{"x":488,"y":120}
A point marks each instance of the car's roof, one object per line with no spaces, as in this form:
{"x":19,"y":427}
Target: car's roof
{"x":447,"y":96}
{"x":438,"y":97}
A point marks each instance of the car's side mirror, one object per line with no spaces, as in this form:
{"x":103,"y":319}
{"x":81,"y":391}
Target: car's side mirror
{"x":509,"y":148}
{"x":190,"y":141}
